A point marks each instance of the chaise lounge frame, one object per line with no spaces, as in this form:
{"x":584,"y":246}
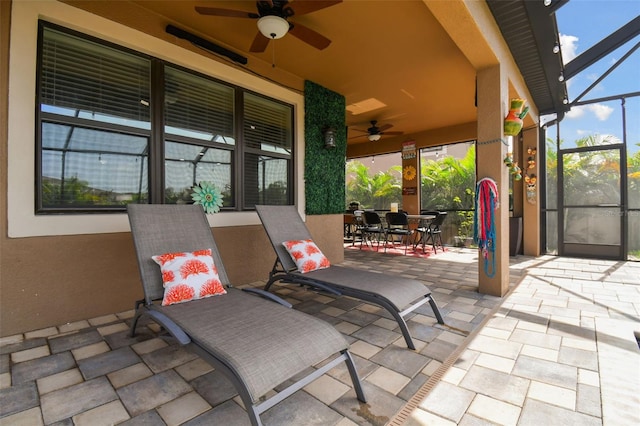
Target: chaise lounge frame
{"x":398,"y":296}
{"x":256,"y":343}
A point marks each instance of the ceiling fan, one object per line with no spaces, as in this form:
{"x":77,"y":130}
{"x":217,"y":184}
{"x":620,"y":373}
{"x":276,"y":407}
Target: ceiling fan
{"x":374,"y":132}
{"x":273,"y":21}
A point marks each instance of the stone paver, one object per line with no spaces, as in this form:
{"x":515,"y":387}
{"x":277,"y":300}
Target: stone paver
{"x":559,"y":349}
{"x":64,"y":403}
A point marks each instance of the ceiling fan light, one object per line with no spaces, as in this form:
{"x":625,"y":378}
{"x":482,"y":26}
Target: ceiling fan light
{"x":273,"y":27}
{"x":374,"y":138}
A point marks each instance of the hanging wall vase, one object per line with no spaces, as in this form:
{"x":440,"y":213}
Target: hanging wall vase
{"x":513,"y":121}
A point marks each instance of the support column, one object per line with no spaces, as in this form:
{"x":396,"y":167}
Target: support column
{"x":492,"y":94}
{"x":531,"y":195}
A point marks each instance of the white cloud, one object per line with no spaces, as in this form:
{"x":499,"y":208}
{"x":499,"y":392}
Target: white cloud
{"x":602,"y":112}
{"x":576,"y":112}
{"x":569,"y":46}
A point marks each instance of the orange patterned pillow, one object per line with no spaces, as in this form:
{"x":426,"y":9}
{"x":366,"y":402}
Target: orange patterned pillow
{"x":306,"y":255}
{"x":188,"y":276}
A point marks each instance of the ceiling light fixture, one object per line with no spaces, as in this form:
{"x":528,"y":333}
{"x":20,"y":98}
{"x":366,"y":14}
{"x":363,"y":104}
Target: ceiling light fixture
{"x":556,"y":47}
{"x":374,"y":138}
{"x":273,"y":27}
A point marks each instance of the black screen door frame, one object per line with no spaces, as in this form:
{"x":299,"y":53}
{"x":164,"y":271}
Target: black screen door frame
{"x":614,"y":251}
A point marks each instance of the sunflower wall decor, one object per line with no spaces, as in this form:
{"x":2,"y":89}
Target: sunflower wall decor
{"x":409,"y":173}
{"x":208,"y":196}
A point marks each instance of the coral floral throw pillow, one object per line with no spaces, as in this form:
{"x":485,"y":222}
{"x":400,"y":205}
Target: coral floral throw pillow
{"x":188,"y":276}
{"x":306,"y":255}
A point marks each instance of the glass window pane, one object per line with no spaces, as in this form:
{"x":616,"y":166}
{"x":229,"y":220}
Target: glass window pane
{"x":267,"y":125}
{"x":84,"y":79}
{"x":78,"y":172}
{"x":187,"y":165}
{"x":448,"y":179}
{"x":198,"y":107}
{"x":374,"y":182}
{"x":266,"y":180}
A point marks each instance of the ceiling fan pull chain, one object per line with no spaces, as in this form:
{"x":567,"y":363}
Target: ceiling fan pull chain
{"x":273,"y":54}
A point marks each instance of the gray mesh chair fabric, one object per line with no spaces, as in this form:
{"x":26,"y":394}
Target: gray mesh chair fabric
{"x":399,"y":296}
{"x":257,"y":343}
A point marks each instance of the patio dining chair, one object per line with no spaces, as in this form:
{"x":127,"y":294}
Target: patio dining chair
{"x":431,"y":231}
{"x":397,"y":225}
{"x":259,"y":343}
{"x":371,"y":228}
{"x":399,"y":296}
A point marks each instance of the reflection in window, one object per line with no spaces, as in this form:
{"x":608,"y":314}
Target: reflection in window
{"x":266,"y":180}
{"x":92,"y":168}
{"x":198,"y":107}
{"x":268,"y":131}
{"x":100,"y":146}
{"x":188,"y":165}
{"x":83,"y":79}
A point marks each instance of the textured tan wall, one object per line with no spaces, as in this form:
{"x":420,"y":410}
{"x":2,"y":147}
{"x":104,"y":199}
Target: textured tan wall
{"x":327,"y":232}
{"x":50,"y":281}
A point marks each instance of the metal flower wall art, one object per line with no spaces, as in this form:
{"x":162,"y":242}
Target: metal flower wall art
{"x":208,"y":196}
{"x":409,"y":173}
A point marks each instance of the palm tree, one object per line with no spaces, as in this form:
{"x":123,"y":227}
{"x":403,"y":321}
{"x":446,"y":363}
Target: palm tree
{"x":373,"y":192}
{"x":449,"y":183}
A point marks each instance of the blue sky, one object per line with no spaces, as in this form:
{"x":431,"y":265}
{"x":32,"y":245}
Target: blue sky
{"x":581,"y":24}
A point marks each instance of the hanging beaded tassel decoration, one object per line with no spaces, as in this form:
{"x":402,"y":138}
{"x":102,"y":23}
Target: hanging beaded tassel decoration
{"x":484,"y":224}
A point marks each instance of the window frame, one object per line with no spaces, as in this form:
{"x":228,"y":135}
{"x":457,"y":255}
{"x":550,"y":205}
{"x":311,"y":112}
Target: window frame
{"x":156,"y":134}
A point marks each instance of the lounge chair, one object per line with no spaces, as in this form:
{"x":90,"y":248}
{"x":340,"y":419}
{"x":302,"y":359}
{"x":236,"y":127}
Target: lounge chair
{"x":399,"y":296}
{"x":257,"y":343}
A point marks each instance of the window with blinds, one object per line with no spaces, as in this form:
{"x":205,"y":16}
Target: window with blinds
{"x":103,"y":144}
{"x":267,"y":164}
{"x":84,"y":79}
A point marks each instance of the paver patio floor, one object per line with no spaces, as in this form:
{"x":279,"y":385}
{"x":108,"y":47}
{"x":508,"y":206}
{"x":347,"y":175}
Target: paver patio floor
{"x":559,"y":349}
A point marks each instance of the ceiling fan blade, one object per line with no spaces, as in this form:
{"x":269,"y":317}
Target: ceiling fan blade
{"x":215,"y":11}
{"x":391,"y":133}
{"x":309,"y":36}
{"x":307,"y":6}
{"x":359,"y":130}
{"x":385,"y":127}
{"x":259,"y":44}
{"x":358,"y":136}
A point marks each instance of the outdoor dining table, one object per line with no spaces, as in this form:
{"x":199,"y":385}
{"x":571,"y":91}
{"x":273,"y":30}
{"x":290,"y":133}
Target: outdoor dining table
{"x":351,"y":224}
{"x":352,"y":221}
